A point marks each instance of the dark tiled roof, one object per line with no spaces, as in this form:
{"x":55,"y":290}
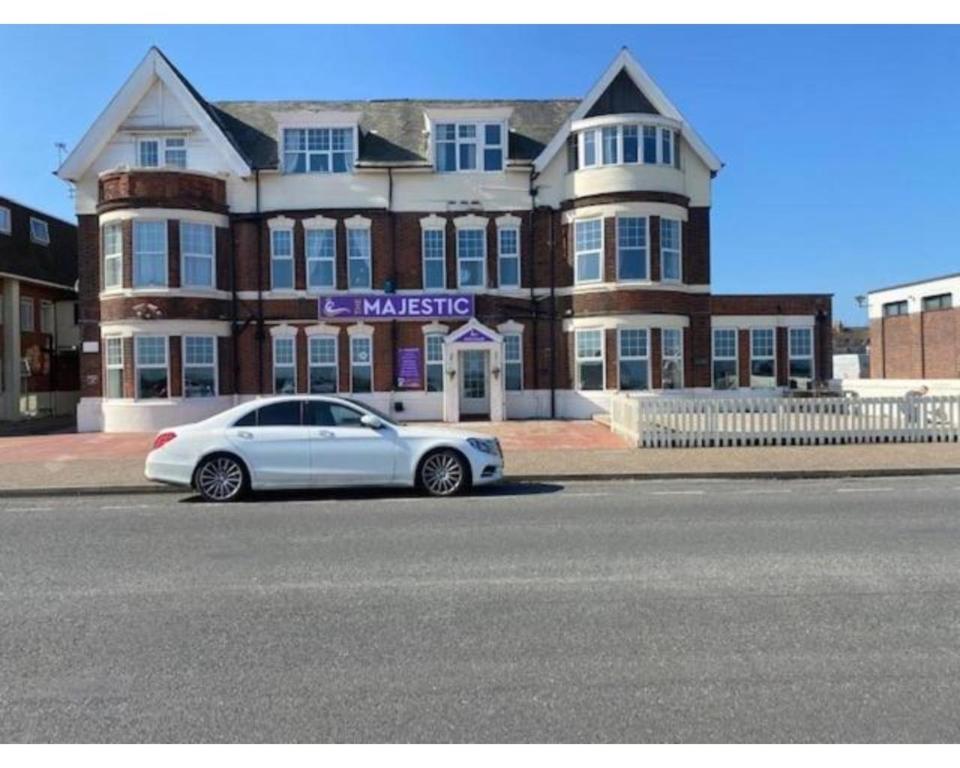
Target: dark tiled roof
{"x":390,"y":130}
{"x":19,"y":255}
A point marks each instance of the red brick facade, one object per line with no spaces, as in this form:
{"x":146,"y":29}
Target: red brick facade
{"x":920,"y":345}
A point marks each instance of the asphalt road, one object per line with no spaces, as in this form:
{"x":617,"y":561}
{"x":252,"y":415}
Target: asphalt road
{"x":646,"y":611}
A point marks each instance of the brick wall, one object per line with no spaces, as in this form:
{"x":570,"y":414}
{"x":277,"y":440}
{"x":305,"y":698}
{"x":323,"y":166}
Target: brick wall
{"x":922,"y":345}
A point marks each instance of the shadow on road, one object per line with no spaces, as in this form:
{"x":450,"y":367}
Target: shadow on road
{"x":359,"y":494}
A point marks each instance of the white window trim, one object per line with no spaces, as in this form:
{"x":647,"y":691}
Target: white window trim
{"x":736,"y":354}
{"x":308,"y":259}
{"x":664,"y":358}
{"x":166,"y":254}
{"x":6,"y":221}
{"x":117,"y":256}
{"x":791,"y":356}
{"x":184,"y":364}
{"x":519,"y":335}
{"x":596,"y":130}
{"x":369,"y":338}
{"x":602,"y":359}
{"x":577,"y":253}
{"x":137,"y":366}
{"x":46,"y":304}
{"x":352,"y":126}
{"x":431,"y":227}
{"x":646,"y":249}
{"x":772,"y":356}
{"x":479,"y":140}
{"x":107,"y":366}
{"x":501,"y":228}
{"x":45,"y":240}
{"x":212,"y":256}
{"x":678,"y":250}
{"x":161,"y":142}
{"x":335,"y":337}
{"x":25,"y":300}
{"x":621,"y":357}
{"x":482,"y":259}
{"x":360,"y":224}
{"x":291,"y":258}
{"x":427,"y":362}
{"x":282,"y":335}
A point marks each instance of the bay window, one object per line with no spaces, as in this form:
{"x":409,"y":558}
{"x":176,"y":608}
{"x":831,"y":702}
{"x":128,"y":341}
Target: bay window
{"x":513,"y":361}
{"x":358,"y":258}
{"x":199,"y":366}
{"x":472,"y":258}
{"x":112,"y":243}
{"x":725,"y":374}
{"x":113,"y":359}
{"x":508,"y":261}
{"x":763,"y":365}
{"x":671,"y":353}
{"x":324,"y":370}
{"x":361,"y":364}
{"x":149,"y":253}
{"x":670,"y":249}
{"x":633,"y":355}
{"x":433,"y":360}
{"x":611,"y":144}
{"x":588,"y":251}
{"x":434,"y":259}
{"x":632,"y":248}
{"x":320,"y":247}
{"x":284,"y":365}
{"x":318,"y":150}
{"x":197,"y":254}
{"x":800,"y":349}
{"x":469,"y":146}
{"x":649,"y":145}
{"x":152,"y":374}
{"x":281,"y":259}
{"x":590,"y":360}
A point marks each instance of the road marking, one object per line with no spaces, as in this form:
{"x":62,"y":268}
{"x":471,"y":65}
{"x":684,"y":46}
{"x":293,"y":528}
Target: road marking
{"x":760,"y":490}
{"x":27,"y":509}
{"x":677,"y":493}
{"x":863,"y":490}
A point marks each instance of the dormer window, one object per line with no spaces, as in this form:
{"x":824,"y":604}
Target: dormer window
{"x":318,"y":150}
{"x":469,"y":146}
{"x":626,"y":144}
{"x":39,"y":231}
{"x":162,"y":151}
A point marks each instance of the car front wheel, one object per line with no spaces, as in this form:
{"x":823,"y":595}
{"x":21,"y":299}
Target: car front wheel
{"x":221,"y":478}
{"x":443,"y":473}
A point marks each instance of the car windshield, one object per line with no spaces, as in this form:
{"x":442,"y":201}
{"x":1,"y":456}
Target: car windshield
{"x":370,"y":409}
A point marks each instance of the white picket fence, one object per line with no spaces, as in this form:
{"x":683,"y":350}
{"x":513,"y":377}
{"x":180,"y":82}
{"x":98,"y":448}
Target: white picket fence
{"x":668,"y":422}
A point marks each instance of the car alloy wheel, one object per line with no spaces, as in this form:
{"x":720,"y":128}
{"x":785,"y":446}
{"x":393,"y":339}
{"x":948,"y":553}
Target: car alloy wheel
{"x":443,"y":473}
{"x":220,"y":479}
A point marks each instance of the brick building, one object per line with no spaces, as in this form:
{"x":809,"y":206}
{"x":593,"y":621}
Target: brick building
{"x":440,"y":259}
{"x":915,"y":330}
{"x":38,"y":298}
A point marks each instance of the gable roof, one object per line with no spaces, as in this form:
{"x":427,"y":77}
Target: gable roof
{"x":153,"y":66}
{"x":624,"y":62}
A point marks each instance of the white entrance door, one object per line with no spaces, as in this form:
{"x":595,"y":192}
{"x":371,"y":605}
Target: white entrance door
{"x":474,"y":388}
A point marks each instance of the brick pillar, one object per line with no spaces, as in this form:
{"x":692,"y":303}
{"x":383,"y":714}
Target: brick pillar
{"x":743,"y":356}
{"x":10,"y":396}
{"x":303,"y":376}
{"x":343,"y":359}
{"x":783,"y":357}
{"x":700,"y":349}
{"x":493,"y":248}
{"x":654,"y":248}
{"x":175,"y":349}
{"x":341,"y":243}
{"x":173,"y":253}
{"x":656,"y":359}
{"x":610,"y":248}
{"x":688,"y":375}
{"x":225,"y":383}
{"x":129,"y":368}
{"x":126,"y":229}
{"x":610,"y":351}
{"x":299,"y":256}
{"x":450,"y":251}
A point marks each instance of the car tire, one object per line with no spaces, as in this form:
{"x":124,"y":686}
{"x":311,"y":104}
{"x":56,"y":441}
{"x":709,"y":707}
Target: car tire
{"x":221,"y":478}
{"x":443,"y":473}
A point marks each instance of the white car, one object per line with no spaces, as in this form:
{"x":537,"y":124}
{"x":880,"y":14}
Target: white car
{"x":313,"y":441}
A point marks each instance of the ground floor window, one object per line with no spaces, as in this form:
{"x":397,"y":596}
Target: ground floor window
{"x":324,"y":372}
{"x":672,"y":358}
{"x":26,"y":314}
{"x":763,"y":364}
{"x":433,"y":360}
{"x":361,"y":364}
{"x":725,"y":358}
{"x":47,"y":317}
{"x":199,"y":366}
{"x":513,"y":361}
{"x":284,"y":365}
{"x":113,"y":355}
{"x":589,"y":359}
{"x":801,"y":357}
{"x":634,"y":358}
{"x":152,"y":373}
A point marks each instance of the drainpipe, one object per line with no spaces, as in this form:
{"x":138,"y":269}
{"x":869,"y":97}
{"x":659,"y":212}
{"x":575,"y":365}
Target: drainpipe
{"x":393,"y":280}
{"x":533,"y":282}
{"x":553,"y":319}
{"x":234,"y":319}
{"x":259,"y":334}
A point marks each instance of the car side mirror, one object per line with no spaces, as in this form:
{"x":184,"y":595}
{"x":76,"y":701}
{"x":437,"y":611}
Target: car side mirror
{"x":369,"y":420}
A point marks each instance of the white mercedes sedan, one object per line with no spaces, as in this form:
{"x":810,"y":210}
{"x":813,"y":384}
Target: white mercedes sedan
{"x":314,"y":441}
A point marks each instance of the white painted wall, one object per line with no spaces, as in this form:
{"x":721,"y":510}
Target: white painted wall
{"x":897,"y":387}
{"x":913,"y":295}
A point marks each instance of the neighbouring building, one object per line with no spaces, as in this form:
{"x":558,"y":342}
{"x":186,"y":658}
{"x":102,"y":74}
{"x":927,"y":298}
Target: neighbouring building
{"x":438,"y":259}
{"x":915,"y":329}
{"x":851,"y":351}
{"x":39,"y":367}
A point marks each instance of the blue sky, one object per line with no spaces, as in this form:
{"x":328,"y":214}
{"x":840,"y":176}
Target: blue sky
{"x":840,"y":143}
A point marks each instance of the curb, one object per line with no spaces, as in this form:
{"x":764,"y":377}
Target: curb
{"x":787,"y":474}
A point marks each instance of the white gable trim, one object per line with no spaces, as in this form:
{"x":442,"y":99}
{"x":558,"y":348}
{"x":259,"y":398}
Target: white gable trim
{"x":651,"y":90}
{"x":153,"y":66}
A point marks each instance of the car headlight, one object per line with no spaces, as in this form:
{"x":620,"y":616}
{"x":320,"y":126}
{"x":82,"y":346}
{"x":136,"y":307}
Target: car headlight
{"x":485,"y":445}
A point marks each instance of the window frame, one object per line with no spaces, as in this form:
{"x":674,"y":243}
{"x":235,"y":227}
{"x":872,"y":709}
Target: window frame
{"x":621,"y":247}
{"x":509,"y":361}
{"x":366,"y":258}
{"x":113,"y":226}
{"x":943,"y":301}
{"x":579,"y":361}
{"x":482,"y":258}
{"x":211,"y":257}
{"x":428,"y":362}
{"x":368,"y":364}
{"x":112,"y":366}
{"x":163,"y":151}
{"x":501,"y":231}
{"x":578,"y":254}
{"x":478,"y":141}
{"x":47,"y":326}
{"x":424,"y":259}
{"x":6,"y":220}
{"x":138,"y":366}
{"x":309,"y":259}
{"x":671,"y":358}
{"x":714,"y":357}
{"x":274,"y":258}
{"x":311,"y":364}
{"x":772,"y":357}
{"x":665,"y":145}
{"x":791,"y":355}
{"x":137,"y":223}
{"x":351,"y":153}
{"x":902,"y":306}
{"x":665,"y":221}
{"x":277,"y":340}
{"x":41,"y":237}
{"x":30,"y":327}
{"x":645,"y":358}
{"x":215,"y":365}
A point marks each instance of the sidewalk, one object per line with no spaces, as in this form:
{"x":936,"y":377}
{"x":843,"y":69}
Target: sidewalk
{"x":540,"y":450}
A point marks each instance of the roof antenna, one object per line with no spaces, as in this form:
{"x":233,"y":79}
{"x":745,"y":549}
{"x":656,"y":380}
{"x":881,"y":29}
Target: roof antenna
{"x":61,"y":148}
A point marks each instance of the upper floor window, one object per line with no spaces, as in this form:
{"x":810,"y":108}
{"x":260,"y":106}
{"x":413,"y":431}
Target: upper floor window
{"x":359,"y":274}
{"x":318,"y":150}
{"x":893,"y":308}
{"x":627,"y":144}
{"x":472,"y":258}
{"x":940,"y":301}
{"x":588,"y":251}
{"x":469,"y":146}
{"x":320,"y":245}
{"x":632,"y":248}
{"x":156,"y":152}
{"x":197,"y":254}
{"x":39,"y":231}
{"x":670,"y":258}
{"x":4,"y":220}
{"x":508,"y":262}
{"x":281,"y":259}
{"x":149,"y":253}
{"x":112,"y":255}
{"x":434,"y":259}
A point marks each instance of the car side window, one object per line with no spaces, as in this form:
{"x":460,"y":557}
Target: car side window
{"x":316,"y":413}
{"x":285,"y":414}
{"x":345,"y":417}
{"x":250,"y":420}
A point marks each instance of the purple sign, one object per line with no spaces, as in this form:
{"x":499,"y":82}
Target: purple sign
{"x":473,"y":334}
{"x":384,"y":306}
{"x":409,"y":368}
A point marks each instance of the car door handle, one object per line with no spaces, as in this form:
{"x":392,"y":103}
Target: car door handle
{"x":245,"y":435}
{"x":324,"y":433}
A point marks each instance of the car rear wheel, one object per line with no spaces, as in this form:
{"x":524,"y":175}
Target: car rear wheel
{"x":221,"y":478}
{"x":443,"y":473}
